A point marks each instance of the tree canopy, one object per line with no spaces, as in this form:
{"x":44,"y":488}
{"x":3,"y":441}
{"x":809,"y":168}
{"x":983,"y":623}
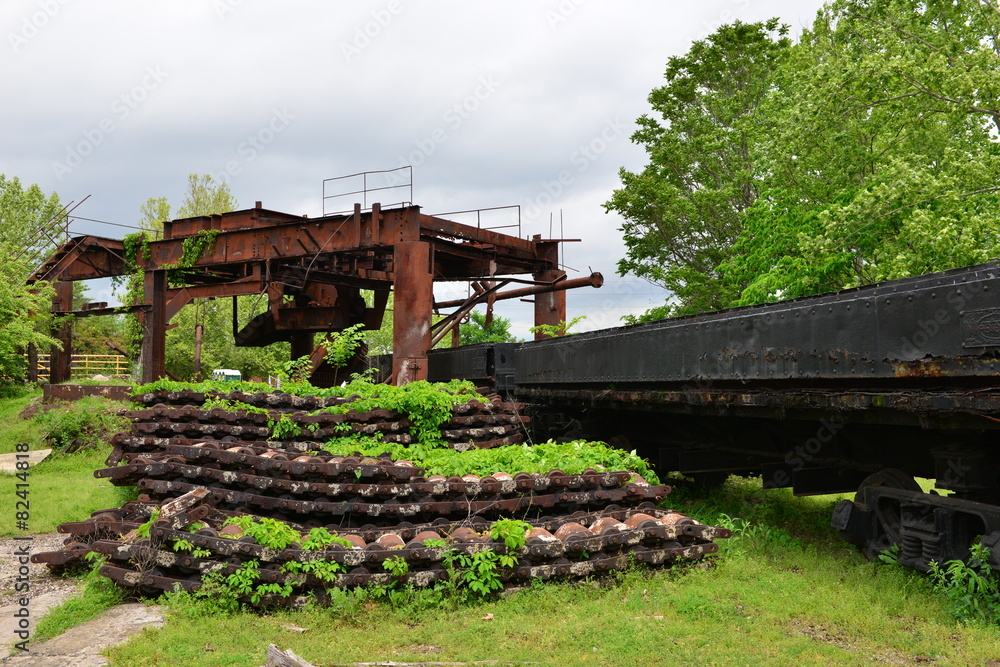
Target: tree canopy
{"x":27,"y":233}
{"x":475,"y":330}
{"x":873,"y":154}
{"x":205,"y":196}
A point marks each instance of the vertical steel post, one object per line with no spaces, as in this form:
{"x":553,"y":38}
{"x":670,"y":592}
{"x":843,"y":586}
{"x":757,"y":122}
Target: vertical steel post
{"x":32,"y":363}
{"x":154,"y":339}
{"x":301,"y":344}
{"x":414,"y":299}
{"x":550,"y":307}
{"x":60,"y":361}
{"x":197,"y":350}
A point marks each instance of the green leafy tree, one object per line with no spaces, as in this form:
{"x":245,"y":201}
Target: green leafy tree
{"x":475,"y":330}
{"x":28,"y":221}
{"x":683,"y":211}
{"x":27,"y":234}
{"x":154,"y":213}
{"x":206,"y":197}
{"x":872,"y":154}
{"x":883,"y":160}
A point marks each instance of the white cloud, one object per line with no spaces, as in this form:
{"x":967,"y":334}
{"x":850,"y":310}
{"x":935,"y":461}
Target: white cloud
{"x":557,"y":83}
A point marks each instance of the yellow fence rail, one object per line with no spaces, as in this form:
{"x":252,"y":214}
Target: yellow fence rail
{"x":88,"y":365}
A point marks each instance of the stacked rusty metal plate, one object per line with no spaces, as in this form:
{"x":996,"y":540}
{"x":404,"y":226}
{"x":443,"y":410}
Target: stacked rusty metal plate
{"x":205,"y":466}
{"x":178,"y":414}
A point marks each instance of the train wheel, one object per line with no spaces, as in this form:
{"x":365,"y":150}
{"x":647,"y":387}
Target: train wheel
{"x":886,"y":515}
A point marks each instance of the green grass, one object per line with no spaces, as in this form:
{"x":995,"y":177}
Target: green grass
{"x":62,"y":488}
{"x":783,"y":591}
{"x":95,"y":596}
{"x":15,"y":429}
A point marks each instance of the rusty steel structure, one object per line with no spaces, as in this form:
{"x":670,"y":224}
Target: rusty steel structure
{"x":312,"y":271}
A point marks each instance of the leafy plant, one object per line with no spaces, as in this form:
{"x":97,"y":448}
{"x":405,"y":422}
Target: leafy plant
{"x":557,"y":330}
{"x":511,"y":531}
{"x":341,"y":346}
{"x":396,"y":565}
{"x":85,"y":423}
{"x":570,"y":457}
{"x":320,"y":537}
{"x":972,"y":588}
{"x":267,"y":532}
{"x":283,"y":428}
{"x":143,"y":530}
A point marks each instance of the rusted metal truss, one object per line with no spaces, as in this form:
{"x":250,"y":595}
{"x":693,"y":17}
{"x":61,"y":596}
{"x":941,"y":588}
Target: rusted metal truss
{"x":312,"y":271}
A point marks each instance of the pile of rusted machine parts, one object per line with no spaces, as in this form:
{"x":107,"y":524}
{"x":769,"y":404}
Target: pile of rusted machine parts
{"x":196,"y":467}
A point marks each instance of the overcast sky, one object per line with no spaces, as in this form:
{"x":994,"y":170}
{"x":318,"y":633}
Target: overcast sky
{"x":491,"y":102}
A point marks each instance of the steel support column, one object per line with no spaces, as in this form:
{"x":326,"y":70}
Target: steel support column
{"x":411,"y":323}
{"x":550,"y":307}
{"x":301,"y":344}
{"x":154,"y":340}
{"x":60,"y":361}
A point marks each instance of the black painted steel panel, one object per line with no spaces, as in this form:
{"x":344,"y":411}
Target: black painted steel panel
{"x":938,"y":325}
{"x":469,"y":362}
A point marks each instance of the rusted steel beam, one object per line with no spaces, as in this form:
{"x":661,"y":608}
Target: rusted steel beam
{"x":60,"y":360}
{"x":411,"y":325}
{"x":177,"y":298}
{"x":550,"y":307}
{"x":432,"y":226}
{"x":154,"y":340}
{"x":593,"y":280}
{"x":93,"y":312}
{"x":306,"y":237}
{"x":73,"y":392}
{"x":244,"y":219}
{"x":83,"y":258}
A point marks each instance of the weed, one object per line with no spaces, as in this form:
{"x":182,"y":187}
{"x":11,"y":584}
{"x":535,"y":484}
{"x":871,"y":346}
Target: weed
{"x":87,"y":422}
{"x":972,"y":589}
{"x":283,"y":428}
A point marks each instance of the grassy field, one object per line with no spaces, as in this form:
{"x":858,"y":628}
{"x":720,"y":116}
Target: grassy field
{"x":784,"y":590}
{"x":63,"y":487}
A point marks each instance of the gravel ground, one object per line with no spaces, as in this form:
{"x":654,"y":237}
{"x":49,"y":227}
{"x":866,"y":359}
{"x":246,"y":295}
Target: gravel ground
{"x":41,"y":579}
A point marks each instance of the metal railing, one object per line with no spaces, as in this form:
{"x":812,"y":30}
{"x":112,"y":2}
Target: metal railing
{"x":398,"y":181}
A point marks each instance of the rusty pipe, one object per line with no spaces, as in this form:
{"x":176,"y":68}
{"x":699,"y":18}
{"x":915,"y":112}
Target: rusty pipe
{"x":594,"y":280}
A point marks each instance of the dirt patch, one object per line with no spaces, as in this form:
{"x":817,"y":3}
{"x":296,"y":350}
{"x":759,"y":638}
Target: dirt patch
{"x":825,"y":635}
{"x":45,"y":590}
{"x":40,"y":578}
{"x":33,"y":408}
{"x":81,"y":646}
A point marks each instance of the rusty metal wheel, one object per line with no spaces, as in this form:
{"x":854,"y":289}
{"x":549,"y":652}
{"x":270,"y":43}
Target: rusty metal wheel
{"x":885,"y":513}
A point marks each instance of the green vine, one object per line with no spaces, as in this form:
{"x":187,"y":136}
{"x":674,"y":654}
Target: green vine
{"x":193,"y":248}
